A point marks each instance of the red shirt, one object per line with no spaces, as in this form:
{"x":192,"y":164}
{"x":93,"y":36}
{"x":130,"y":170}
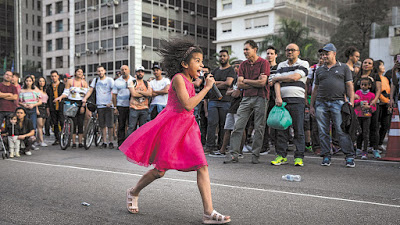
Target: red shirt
{"x":7,"y":105}
{"x":252,"y":72}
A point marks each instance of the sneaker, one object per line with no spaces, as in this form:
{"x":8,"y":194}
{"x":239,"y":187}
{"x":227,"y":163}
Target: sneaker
{"x":376,"y":154}
{"x":381,"y":148}
{"x":247,"y":149}
{"x":73,"y":145}
{"x":254,"y":160}
{"x":358,"y":152}
{"x":364,"y":155}
{"x":279,"y":160}
{"x":17,"y":155}
{"x":326,"y":161}
{"x":104,"y":145}
{"x":350,"y":163}
{"x":241,"y":156}
{"x":111,"y":145}
{"x":231,"y":159}
{"x":216,"y":154}
{"x":80,"y":145}
{"x":56,"y":142}
{"x":28,"y":153}
{"x":11,"y":155}
{"x":43,"y":144}
{"x":264,"y":151}
{"x":309,"y":149}
{"x":35,"y":148}
{"x":298,"y":162}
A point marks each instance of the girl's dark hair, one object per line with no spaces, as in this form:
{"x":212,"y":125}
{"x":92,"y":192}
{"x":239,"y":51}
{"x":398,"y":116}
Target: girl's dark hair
{"x":367,"y":79}
{"x":78,"y":69}
{"x":38,"y":85}
{"x":18,"y":108}
{"x":24,"y":84}
{"x":376,"y":64}
{"x":361,"y":71}
{"x":350,"y":51}
{"x":12,"y":115}
{"x":176,"y":51}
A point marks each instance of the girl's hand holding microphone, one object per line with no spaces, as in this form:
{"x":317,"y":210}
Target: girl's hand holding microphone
{"x":209,"y":81}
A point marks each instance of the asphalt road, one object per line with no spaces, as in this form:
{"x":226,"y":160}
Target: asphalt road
{"x":49,"y":187}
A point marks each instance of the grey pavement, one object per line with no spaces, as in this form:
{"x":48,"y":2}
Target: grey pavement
{"x":49,"y":187}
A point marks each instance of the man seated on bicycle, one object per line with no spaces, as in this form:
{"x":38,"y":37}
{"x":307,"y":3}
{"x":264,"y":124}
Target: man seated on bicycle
{"x":103,"y":86}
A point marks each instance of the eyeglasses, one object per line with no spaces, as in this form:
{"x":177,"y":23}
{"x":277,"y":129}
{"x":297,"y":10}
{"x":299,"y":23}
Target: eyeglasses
{"x":291,"y":50}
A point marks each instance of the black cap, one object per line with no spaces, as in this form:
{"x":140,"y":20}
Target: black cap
{"x":156,"y":67}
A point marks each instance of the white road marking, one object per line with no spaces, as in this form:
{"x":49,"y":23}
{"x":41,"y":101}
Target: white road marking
{"x":214,"y":184}
{"x":394,"y":132}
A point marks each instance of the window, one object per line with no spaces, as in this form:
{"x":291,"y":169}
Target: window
{"x":48,"y":28}
{"x":146,"y":41}
{"x":33,"y":4}
{"x":59,"y":25}
{"x":39,"y":5}
{"x":256,"y":22}
{"x":248,"y":23}
{"x":26,"y":50}
{"x":39,"y":51}
{"x":48,"y":64}
{"x":48,"y":10}
{"x":49,"y":45}
{"x":26,"y":18}
{"x":39,"y":20}
{"x":59,"y":44}
{"x":33,"y":19}
{"x":250,"y":2}
{"x":226,"y":27}
{"x":33,"y":50}
{"x":59,"y":62}
{"x":59,"y":7}
{"x":27,"y":34}
{"x":226,"y":4}
{"x":228,"y":48}
{"x":33,"y":35}
{"x":39,"y":36}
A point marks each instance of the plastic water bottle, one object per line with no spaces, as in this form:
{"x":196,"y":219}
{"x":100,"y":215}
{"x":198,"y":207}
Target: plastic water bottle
{"x":290,"y":177}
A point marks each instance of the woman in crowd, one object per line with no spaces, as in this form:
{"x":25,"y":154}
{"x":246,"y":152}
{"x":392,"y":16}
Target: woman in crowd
{"x":29,"y":98}
{"x":42,"y":110}
{"x":376,"y":88}
{"x":25,"y":129}
{"x":75,"y":90}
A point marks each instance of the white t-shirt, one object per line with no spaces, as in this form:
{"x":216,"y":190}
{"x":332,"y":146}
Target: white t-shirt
{"x":158,"y":85}
{"x":103,"y":91}
{"x":121,"y":89}
{"x":311,"y":73}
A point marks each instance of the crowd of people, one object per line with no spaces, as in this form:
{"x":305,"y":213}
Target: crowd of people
{"x":316,"y":97}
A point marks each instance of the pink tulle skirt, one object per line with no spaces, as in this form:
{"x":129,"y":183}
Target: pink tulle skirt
{"x":170,"y":141}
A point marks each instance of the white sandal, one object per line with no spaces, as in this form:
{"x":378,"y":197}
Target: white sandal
{"x":131,"y":202}
{"x":215,"y":218}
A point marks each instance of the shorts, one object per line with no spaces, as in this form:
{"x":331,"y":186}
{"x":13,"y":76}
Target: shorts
{"x":43,"y":112}
{"x":230,"y":121}
{"x":106,"y":117}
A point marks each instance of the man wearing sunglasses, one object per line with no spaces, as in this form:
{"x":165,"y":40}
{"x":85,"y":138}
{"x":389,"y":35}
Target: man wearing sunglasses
{"x":289,"y":83}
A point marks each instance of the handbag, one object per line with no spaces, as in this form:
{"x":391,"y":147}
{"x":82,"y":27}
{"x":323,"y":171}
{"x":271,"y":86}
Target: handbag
{"x":279,"y":118}
{"x":70,"y":109}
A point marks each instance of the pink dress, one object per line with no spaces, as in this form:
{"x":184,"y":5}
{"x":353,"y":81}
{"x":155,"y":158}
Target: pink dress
{"x":170,"y":141}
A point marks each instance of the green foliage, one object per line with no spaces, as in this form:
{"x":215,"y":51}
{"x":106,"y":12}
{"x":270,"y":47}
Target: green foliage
{"x":292,"y":31}
{"x":214,"y":61}
{"x":355,"y":25}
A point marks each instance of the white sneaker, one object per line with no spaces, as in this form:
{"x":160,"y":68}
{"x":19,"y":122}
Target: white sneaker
{"x":43,"y":144}
{"x":11,"y":155}
{"x":35,"y":148}
{"x":28,"y":153}
{"x":17,"y":155}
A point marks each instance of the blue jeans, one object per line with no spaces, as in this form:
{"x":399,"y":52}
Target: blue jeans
{"x":217,"y":111}
{"x":31,"y":113}
{"x":327,"y":111}
{"x":135,"y":116}
{"x":296,"y":111}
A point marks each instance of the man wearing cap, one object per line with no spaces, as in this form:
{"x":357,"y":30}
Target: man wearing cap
{"x":139,"y":102}
{"x":66,"y":77}
{"x":332,"y":80}
{"x":120,"y":99}
{"x":160,"y":86}
{"x":290,"y":82}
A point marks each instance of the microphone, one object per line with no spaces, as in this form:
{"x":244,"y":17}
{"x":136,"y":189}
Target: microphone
{"x":216,"y":92}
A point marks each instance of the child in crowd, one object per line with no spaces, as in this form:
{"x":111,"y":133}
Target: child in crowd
{"x":364,"y":112}
{"x":12,"y":133}
{"x":172,"y":140}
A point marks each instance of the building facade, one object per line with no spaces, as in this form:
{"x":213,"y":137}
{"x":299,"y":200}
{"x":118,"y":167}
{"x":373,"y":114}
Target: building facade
{"x":238,"y":21}
{"x":113,"y":33}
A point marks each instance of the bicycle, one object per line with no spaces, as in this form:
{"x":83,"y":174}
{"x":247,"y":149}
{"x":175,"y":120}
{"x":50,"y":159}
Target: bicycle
{"x":93,"y":131}
{"x":70,"y":110}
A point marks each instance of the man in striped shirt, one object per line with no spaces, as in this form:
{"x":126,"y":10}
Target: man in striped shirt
{"x":289,"y":83}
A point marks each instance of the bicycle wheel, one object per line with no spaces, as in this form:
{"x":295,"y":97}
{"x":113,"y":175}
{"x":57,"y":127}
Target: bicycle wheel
{"x":90,"y":134}
{"x":98,"y":135}
{"x":66,"y":134}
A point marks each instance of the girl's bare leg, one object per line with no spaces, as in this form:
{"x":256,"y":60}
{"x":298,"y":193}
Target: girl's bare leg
{"x":146,"y":179}
{"x":40,"y":124}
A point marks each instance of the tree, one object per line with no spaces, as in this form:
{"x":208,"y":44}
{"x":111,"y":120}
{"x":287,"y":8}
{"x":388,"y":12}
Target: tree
{"x":355,"y":25}
{"x":214,"y":60}
{"x":292,"y":31}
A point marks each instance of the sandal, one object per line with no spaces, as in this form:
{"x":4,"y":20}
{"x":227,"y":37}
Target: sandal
{"x":131,"y":202}
{"x":215,"y":218}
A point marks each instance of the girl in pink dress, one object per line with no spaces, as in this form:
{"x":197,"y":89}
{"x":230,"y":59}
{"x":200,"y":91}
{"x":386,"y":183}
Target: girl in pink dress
{"x":172,"y":140}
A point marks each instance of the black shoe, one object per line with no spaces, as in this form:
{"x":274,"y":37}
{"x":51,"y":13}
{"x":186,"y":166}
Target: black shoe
{"x":74,"y":146}
{"x":80,"y":145}
{"x":104,"y":145}
{"x":111,"y":145}
{"x":47,"y":134}
{"x":56,"y":142}
{"x":231,"y":159}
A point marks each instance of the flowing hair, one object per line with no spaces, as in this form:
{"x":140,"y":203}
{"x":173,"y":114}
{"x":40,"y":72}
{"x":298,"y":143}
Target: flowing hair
{"x":176,"y":51}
